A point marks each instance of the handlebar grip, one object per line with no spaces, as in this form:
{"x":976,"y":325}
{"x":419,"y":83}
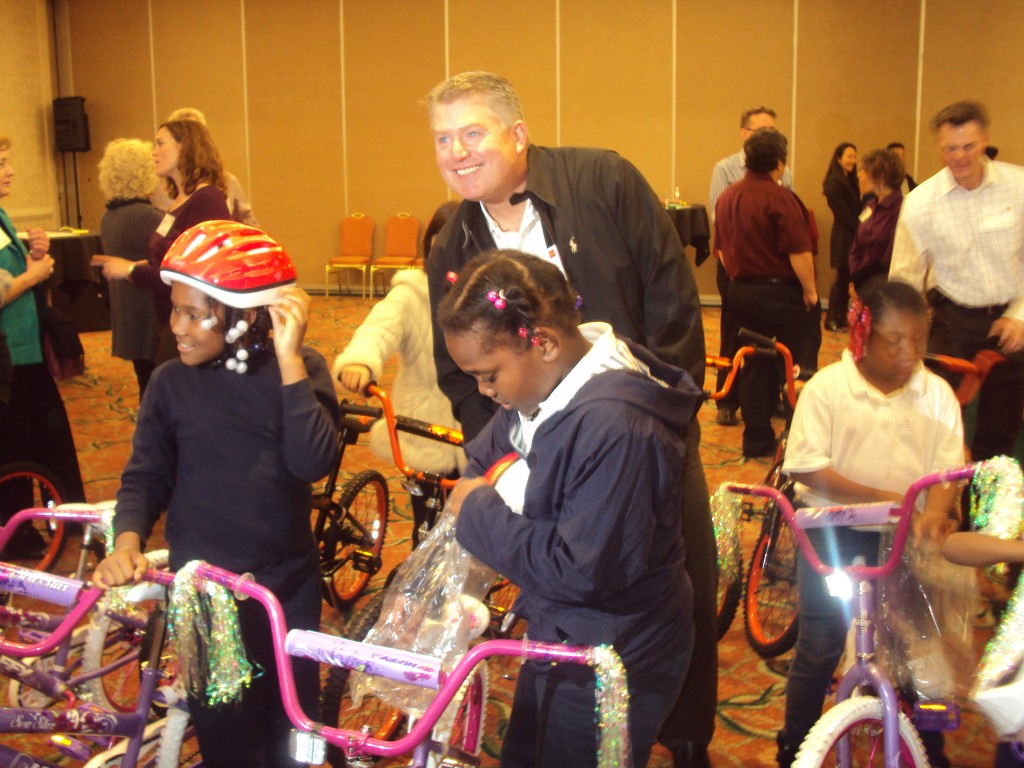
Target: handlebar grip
{"x":757,"y":339}
{"x":427,"y":430}
{"x":349,"y":408}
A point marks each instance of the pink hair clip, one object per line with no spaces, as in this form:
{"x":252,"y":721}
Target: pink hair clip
{"x":859,"y":320}
{"x":497,"y":298}
{"x":524,"y":333}
{"x":452,"y":277}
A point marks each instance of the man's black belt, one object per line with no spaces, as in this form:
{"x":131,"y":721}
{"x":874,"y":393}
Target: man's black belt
{"x":935,"y":298}
{"x":766,"y":280}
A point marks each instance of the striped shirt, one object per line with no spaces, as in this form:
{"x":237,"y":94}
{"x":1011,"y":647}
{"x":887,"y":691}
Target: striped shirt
{"x":968,"y":243}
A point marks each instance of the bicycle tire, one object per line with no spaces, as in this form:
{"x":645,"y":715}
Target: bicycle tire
{"x":335,"y":705}
{"x":771,"y":604}
{"x":41,"y":489}
{"x":729,"y":595}
{"x":861,"y":718}
{"x":351,"y":542}
{"x":110,"y":642}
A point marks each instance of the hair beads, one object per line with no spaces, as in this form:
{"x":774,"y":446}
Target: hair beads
{"x":497,"y":298}
{"x":859,"y":320}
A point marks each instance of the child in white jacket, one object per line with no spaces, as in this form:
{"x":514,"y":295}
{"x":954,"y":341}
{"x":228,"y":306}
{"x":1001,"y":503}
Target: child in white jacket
{"x":400,"y":323}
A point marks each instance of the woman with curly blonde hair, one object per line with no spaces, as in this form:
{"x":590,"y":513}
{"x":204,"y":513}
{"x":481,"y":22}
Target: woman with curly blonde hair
{"x":127,"y":180}
{"x":186,"y":158}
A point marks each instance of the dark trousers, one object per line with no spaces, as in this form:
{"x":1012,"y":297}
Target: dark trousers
{"x":254,"y":732}
{"x":839,"y":297}
{"x":771,"y":309}
{"x":552,"y":724}
{"x":821,"y":634}
{"x":960,"y":332}
{"x":693,"y":717}
{"x":728,"y":332}
{"x":35,"y":428}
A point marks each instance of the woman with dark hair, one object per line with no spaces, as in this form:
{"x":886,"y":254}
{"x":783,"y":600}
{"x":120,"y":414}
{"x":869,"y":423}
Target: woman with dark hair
{"x":843,"y":196}
{"x":187,"y":160}
{"x":881,"y":176}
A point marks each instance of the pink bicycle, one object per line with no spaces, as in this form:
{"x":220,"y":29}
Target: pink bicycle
{"x":860,"y":730}
{"x":310,"y":738}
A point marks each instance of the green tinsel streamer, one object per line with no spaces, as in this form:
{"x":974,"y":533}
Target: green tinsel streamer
{"x":996,"y":511}
{"x":612,"y":709}
{"x":203,"y":621}
{"x":108,"y":529}
{"x":725,"y":517}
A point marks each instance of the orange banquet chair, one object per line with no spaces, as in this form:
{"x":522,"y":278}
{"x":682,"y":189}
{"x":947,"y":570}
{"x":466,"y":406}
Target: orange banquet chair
{"x":401,"y":239}
{"x":355,"y":253}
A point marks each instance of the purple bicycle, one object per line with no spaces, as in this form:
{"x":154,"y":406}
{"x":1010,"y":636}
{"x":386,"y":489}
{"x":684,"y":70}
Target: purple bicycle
{"x":860,"y":730}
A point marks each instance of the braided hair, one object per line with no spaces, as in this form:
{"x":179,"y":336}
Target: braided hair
{"x":503,"y":295}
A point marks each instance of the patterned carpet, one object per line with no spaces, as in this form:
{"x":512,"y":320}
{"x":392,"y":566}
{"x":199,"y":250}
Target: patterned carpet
{"x":103,"y":404}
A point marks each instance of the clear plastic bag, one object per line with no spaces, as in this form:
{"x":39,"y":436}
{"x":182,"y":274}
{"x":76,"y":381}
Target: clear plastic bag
{"x":925,"y":630}
{"x":433,"y":606}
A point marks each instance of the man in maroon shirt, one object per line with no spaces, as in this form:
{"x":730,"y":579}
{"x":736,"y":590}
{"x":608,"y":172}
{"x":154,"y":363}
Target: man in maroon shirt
{"x":764,"y":240}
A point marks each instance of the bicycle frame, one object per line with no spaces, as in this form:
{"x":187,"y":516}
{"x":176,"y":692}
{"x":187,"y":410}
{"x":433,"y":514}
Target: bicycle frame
{"x":83,"y":719}
{"x":865,"y":672}
{"x":398,"y":665}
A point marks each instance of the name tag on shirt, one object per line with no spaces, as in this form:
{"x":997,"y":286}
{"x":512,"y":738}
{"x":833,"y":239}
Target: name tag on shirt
{"x":165,"y":225}
{"x":866,"y":213}
{"x":5,"y":239}
{"x":997,"y":217}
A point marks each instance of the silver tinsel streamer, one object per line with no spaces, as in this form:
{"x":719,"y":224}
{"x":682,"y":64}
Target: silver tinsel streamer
{"x":612,"y":708}
{"x":202,"y":618}
{"x":996,"y":511}
{"x":108,"y":529}
{"x":725,"y":517}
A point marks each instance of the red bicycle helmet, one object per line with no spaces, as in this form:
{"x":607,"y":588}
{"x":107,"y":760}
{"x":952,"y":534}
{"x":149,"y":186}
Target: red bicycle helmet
{"x":238,"y":265}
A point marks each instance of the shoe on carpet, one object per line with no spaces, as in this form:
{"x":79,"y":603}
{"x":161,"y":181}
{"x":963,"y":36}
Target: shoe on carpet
{"x":726,"y":416}
{"x":690,"y":754}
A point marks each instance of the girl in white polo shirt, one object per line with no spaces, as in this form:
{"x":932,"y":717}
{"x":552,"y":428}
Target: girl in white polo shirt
{"x":864,"y":429}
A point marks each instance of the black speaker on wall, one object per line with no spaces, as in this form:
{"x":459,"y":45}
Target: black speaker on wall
{"x":71,"y":124}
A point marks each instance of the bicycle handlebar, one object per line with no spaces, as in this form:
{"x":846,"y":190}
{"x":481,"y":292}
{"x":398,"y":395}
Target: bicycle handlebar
{"x":761,"y":346}
{"x":87,"y":514}
{"x":853,"y":514}
{"x":339,"y":650}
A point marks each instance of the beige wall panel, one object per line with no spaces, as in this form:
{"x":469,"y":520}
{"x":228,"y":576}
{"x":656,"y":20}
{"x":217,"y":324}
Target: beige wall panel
{"x":856,"y":82}
{"x":617,"y":81}
{"x":729,"y":58}
{"x":295,"y":127}
{"x":394,"y":54}
{"x":517,"y":41}
{"x":973,"y":51}
{"x":26,"y":92}
{"x":198,"y":54}
{"x":111,"y":69}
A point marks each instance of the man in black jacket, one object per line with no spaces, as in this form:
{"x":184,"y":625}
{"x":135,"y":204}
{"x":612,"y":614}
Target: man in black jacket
{"x":593,"y":215}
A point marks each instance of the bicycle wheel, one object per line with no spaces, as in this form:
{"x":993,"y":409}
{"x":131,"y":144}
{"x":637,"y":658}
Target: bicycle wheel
{"x":111,"y":643}
{"x":353,"y":536}
{"x":772,"y":600}
{"x":858,"y":720}
{"x":336,"y":707}
{"x":24,"y":485}
{"x":729,"y":593}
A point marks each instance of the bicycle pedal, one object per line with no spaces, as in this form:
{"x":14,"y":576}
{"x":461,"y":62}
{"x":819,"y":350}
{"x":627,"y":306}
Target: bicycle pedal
{"x":365,"y":561}
{"x":936,"y":716}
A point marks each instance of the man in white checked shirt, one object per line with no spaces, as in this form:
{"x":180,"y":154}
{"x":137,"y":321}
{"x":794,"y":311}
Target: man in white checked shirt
{"x":960,"y":238}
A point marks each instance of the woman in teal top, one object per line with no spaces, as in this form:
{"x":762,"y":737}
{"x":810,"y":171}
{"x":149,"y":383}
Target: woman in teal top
{"x":34,"y":425}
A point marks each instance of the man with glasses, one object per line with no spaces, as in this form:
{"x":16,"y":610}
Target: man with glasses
{"x":727,"y":171}
{"x":960,"y":239}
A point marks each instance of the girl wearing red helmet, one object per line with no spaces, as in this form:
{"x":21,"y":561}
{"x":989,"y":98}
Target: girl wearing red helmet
{"x":231,"y":458}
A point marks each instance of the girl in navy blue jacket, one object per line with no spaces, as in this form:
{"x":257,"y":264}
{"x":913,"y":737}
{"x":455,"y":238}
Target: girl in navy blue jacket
{"x":597,"y":550}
